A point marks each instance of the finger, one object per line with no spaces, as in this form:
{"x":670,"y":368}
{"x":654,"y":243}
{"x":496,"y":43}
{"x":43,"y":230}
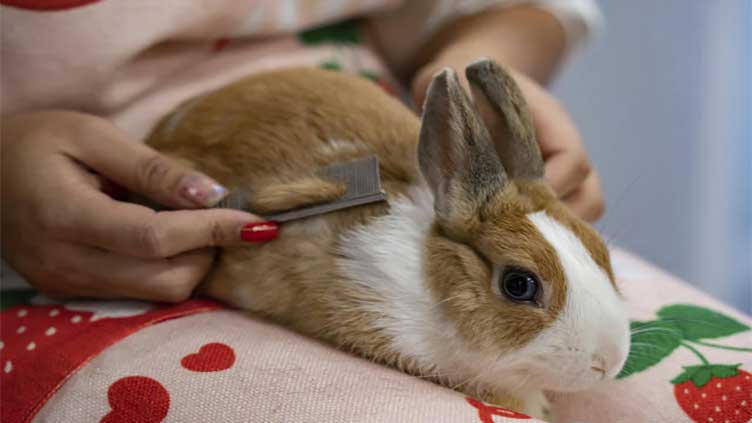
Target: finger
{"x":138,"y":231}
{"x":566,"y":162}
{"x":587,"y":201}
{"x":102,"y":274}
{"x":418,"y":90}
{"x":143,"y":170}
{"x":566,"y":171}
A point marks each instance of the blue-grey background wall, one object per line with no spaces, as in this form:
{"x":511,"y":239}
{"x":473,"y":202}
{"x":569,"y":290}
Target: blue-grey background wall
{"x":662,"y":97}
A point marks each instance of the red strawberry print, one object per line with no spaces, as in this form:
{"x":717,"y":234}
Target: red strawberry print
{"x":50,"y":5}
{"x":212,"y":357}
{"x":137,"y":399}
{"x":715,"y":393}
{"x":28,"y":329}
{"x":42,"y":345}
{"x":486,"y":412}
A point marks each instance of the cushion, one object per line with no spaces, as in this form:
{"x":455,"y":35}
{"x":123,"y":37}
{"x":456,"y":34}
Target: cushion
{"x":129,"y":361}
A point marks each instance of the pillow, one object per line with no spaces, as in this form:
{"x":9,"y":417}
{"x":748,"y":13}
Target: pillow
{"x":690,"y":361}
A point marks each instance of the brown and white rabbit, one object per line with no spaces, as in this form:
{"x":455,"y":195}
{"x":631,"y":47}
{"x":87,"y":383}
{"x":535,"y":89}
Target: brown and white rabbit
{"x":473,"y":274}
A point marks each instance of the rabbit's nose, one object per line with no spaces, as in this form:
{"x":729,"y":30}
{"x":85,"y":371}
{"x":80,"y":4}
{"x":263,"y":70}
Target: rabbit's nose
{"x":599,"y":364}
{"x":609,"y":358}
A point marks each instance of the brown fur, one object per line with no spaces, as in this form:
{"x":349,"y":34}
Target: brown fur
{"x":542,"y":195}
{"x":270,"y":198}
{"x":501,"y":399}
{"x":276,"y":128}
{"x":294,"y":279}
{"x":504,"y":110}
{"x":505,"y":113}
{"x":505,"y":237}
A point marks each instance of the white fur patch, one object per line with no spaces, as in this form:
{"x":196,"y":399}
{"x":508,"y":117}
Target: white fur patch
{"x":333,"y":146}
{"x":385,"y":258}
{"x":593,"y":325}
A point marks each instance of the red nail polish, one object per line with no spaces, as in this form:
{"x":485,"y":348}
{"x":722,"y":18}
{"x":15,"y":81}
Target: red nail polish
{"x":259,"y":232}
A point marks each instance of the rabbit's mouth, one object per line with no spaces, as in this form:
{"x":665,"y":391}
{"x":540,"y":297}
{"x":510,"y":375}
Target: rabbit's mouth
{"x":574,"y":375}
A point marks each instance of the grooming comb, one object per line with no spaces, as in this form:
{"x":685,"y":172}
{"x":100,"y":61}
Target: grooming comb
{"x":360,"y":177}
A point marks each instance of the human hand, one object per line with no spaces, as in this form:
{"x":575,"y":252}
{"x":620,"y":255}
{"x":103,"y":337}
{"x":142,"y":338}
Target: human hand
{"x":567,"y":168}
{"x":68,"y":238}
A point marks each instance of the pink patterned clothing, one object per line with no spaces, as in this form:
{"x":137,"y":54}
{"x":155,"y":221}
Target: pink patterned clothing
{"x":133,"y":60}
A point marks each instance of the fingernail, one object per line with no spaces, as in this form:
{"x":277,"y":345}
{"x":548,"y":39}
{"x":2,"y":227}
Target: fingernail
{"x":201,"y":190}
{"x":259,"y":232}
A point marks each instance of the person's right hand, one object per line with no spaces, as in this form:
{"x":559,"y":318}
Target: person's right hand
{"x":68,"y":238}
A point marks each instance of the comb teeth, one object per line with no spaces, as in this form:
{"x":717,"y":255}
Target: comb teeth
{"x":361,"y":177}
{"x":237,"y":199}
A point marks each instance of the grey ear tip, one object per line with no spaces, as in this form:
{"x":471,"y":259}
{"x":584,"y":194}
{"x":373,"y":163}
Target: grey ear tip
{"x":444,"y":74}
{"x":443,"y":80}
{"x":480,"y":67}
{"x":481,"y":61}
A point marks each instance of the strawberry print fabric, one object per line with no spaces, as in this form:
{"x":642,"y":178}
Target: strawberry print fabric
{"x":689,"y":359}
{"x":137,"y":399}
{"x":47,"y":5}
{"x":224,"y":366}
{"x":43,"y":345}
{"x":212,"y":357}
{"x":227,"y":366}
{"x":715,"y":393}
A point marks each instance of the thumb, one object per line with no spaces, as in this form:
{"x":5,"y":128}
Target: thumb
{"x":145,"y":171}
{"x":419,"y":86}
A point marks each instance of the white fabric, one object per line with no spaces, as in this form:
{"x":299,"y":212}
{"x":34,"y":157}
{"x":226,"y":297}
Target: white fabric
{"x":403,"y":30}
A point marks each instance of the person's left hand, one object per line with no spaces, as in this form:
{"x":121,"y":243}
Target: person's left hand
{"x":567,"y":168}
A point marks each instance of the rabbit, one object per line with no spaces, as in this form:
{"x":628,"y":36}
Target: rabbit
{"x":472,"y":274}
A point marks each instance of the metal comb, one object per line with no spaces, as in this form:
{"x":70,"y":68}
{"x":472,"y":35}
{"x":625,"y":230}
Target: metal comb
{"x":361,"y":178}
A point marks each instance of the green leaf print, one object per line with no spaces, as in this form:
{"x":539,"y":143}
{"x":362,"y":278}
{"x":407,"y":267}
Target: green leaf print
{"x":682,"y":325}
{"x":652,"y":341}
{"x":699,"y":323}
{"x":701,"y":374}
{"x":346,"y":32}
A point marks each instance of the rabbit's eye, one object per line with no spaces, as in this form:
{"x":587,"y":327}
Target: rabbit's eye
{"x":519,"y":285}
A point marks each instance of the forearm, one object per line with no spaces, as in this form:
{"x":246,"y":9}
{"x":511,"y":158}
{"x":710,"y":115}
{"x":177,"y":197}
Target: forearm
{"x":527,"y":38}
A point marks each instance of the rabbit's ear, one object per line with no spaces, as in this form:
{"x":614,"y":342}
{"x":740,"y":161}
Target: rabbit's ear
{"x":455,"y":152}
{"x":506,"y":116}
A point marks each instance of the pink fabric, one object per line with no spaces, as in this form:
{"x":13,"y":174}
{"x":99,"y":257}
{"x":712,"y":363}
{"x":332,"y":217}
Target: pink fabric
{"x":43,"y":345}
{"x":133,"y":61}
{"x":271,"y":375}
{"x":224,"y":366}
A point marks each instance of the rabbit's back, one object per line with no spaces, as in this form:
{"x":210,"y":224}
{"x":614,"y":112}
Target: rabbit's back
{"x":280,"y":125}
